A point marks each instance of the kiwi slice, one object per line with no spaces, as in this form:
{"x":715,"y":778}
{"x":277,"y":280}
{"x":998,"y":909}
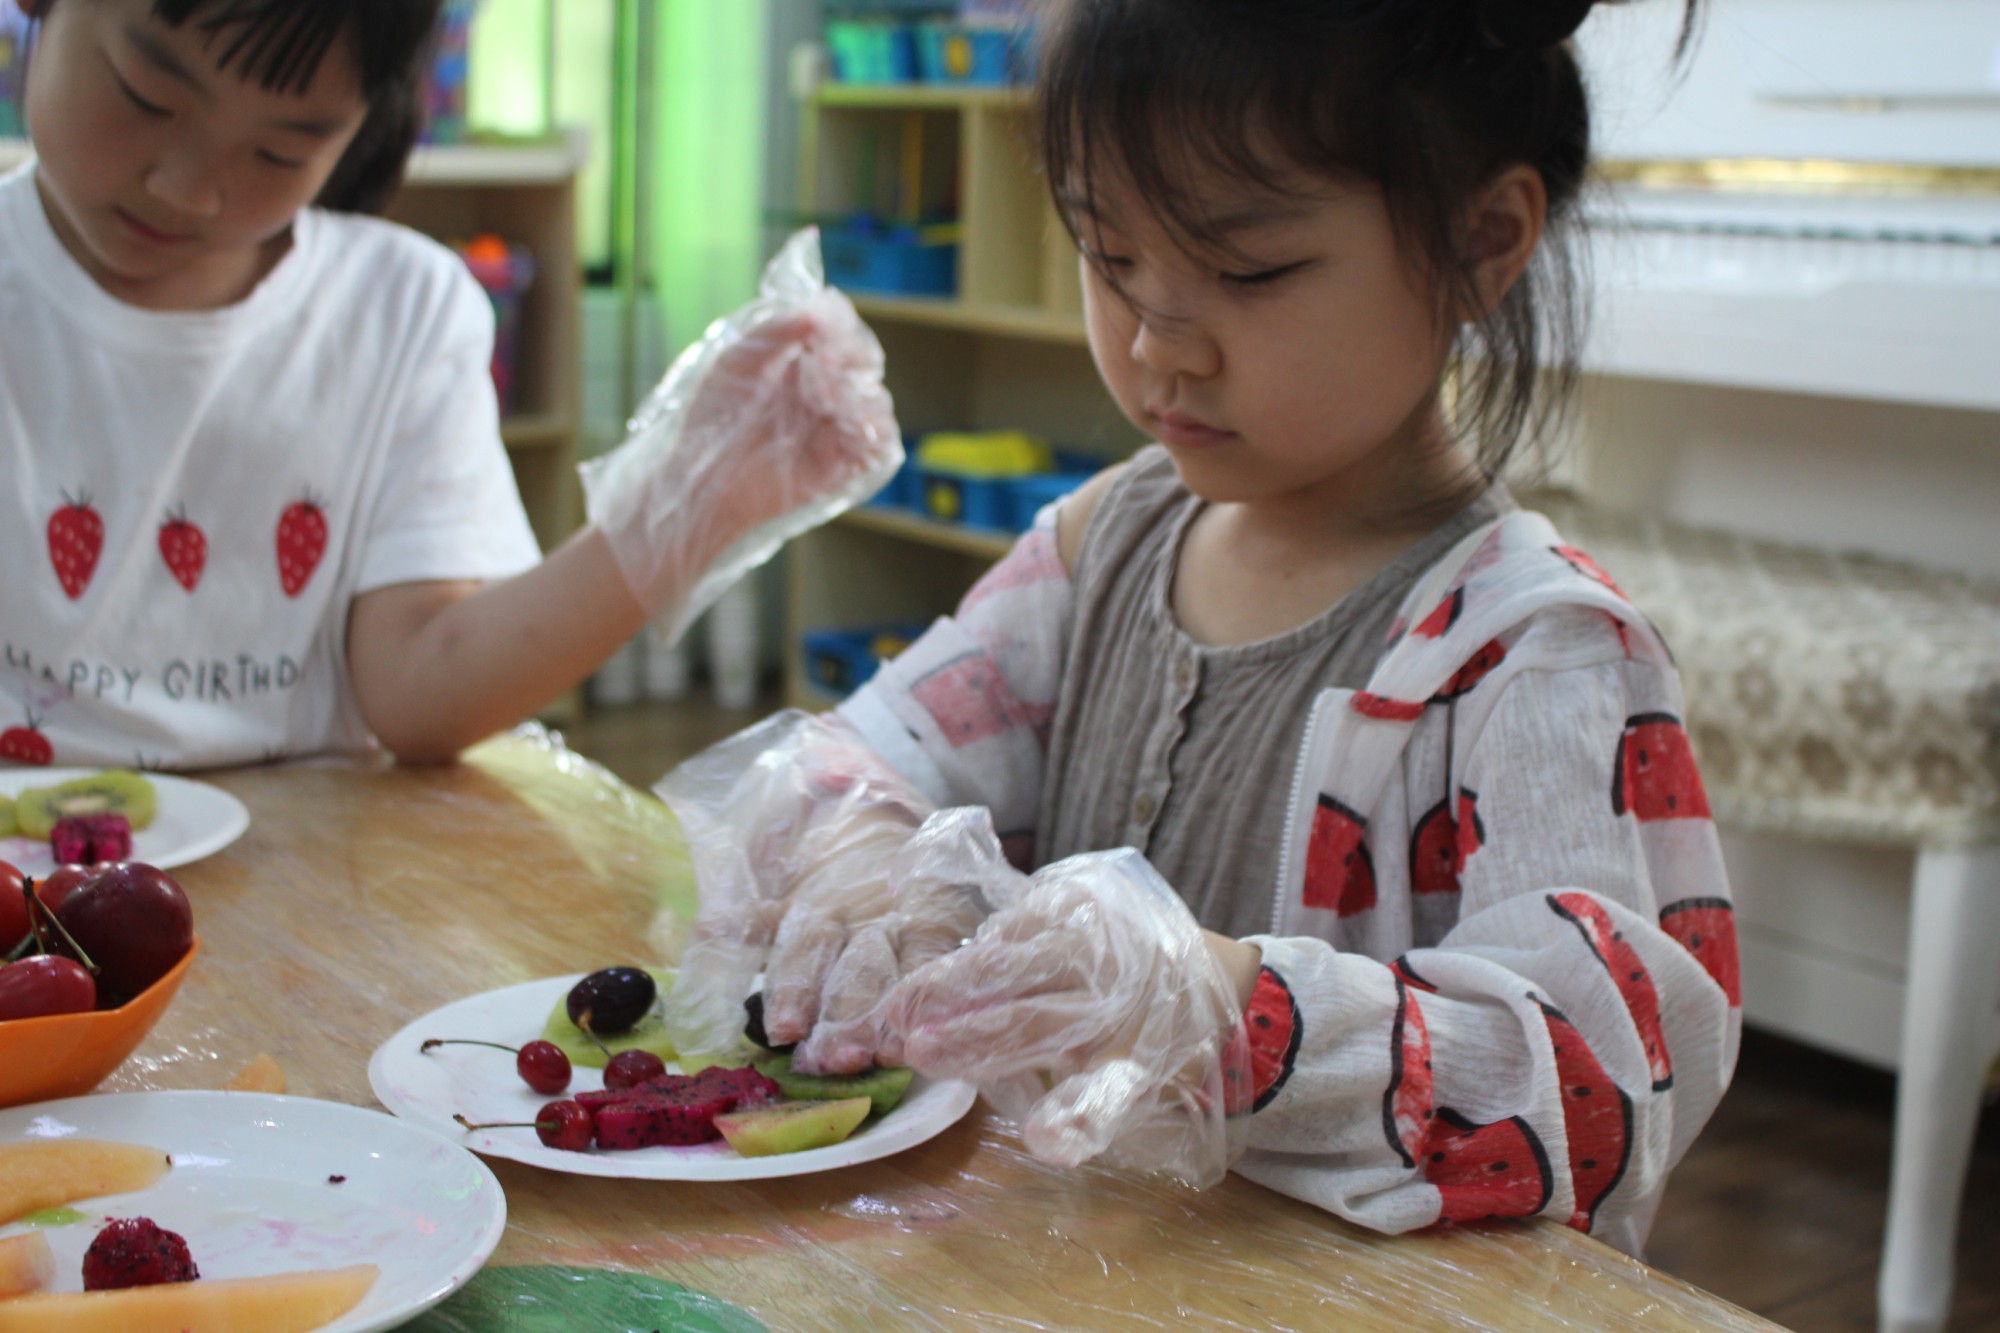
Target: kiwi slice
{"x":648,"y":1034}
{"x":9,"y":825}
{"x":883,"y":1087}
{"x":116,"y":791}
{"x":765,"y":1131}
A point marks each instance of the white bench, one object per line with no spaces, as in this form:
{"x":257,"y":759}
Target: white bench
{"x":1848,"y":698}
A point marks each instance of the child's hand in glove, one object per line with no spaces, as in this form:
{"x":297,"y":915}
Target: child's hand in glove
{"x":834,"y":966}
{"x":773,"y":422}
{"x":795,"y":814}
{"x":1092,"y":1007}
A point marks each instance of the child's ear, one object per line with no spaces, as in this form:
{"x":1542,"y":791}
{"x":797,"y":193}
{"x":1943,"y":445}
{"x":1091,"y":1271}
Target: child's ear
{"x":1502,"y":228}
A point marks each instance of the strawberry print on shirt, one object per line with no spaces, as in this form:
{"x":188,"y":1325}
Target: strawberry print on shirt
{"x":76,"y":539}
{"x":184,"y":548}
{"x":301,"y":543}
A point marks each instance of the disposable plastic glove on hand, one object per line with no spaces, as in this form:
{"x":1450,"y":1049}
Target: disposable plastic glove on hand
{"x":773,"y":422}
{"x":793,"y":813}
{"x":940,"y":885}
{"x":1091,"y":1009}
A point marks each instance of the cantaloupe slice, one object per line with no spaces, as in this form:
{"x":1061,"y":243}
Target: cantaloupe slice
{"x":282,"y":1303}
{"x":26,"y":1263}
{"x":262,"y":1074}
{"x":46,"y":1173}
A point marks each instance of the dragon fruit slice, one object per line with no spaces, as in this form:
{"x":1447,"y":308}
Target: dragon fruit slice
{"x":88,"y":840}
{"x":671,"y":1118}
{"x":675,"y":1109}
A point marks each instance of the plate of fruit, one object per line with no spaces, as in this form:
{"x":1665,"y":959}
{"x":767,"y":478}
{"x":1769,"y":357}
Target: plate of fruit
{"x":233,"y":1210}
{"x":83,"y":816}
{"x":576,"y":1074}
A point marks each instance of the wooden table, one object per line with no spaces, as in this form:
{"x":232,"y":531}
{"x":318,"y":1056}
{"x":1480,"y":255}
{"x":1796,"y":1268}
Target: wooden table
{"x":363,"y":896}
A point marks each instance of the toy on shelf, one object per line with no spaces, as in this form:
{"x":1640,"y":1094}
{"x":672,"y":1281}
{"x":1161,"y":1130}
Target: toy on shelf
{"x":505,"y":271}
{"x":995,"y":480}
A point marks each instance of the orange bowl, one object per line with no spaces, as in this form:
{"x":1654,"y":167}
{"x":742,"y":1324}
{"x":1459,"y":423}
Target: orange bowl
{"x":66,"y":1055}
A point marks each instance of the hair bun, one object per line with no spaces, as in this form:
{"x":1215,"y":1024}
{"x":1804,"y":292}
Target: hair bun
{"x":1533,"y":24}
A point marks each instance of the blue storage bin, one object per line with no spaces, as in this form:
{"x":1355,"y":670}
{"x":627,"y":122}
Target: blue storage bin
{"x":904,"y":490}
{"x":872,"y":52}
{"x":977,"y":502}
{"x":841,"y":661}
{"x":958,"y":53}
{"x":893,"y":261}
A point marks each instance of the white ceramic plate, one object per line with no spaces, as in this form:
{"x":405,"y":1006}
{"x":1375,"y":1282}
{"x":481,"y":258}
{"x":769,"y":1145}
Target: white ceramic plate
{"x":193,"y":820}
{"x":251,"y":1191}
{"x":481,"y":1084}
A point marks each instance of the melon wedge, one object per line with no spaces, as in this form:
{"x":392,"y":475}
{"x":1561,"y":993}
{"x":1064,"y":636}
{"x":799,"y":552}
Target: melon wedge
{"x":26,"y":1263}
{"x":262,"y":1074}
{"x":282,"y":1303}
{"x":47,"y":1173}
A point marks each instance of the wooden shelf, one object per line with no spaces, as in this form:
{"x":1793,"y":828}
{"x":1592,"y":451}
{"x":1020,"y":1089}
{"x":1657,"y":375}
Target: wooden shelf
{"x":920,"y":96}
{"x":1002,"y":320}
{"x":538,"y":430}
{"x":540,"y":162}
{"x":1009,"y":352}
{"x":984,"y":543}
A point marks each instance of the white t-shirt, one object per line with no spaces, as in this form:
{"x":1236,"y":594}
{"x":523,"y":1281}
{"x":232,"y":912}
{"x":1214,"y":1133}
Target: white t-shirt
{"x":190,"y":501}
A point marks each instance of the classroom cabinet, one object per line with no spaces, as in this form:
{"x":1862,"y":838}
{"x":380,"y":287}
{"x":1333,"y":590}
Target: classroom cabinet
{"x":1005,"y":350}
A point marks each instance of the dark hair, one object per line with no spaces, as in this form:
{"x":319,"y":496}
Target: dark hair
{"x":280,"y":44}
{"x":1427,"y":99}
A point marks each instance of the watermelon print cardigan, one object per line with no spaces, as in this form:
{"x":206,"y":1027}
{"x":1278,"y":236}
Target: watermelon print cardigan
{"x":1501,"y":978}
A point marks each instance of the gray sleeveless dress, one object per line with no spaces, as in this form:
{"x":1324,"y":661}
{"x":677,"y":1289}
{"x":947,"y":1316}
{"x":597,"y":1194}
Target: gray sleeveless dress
{"x":1184,"y":751}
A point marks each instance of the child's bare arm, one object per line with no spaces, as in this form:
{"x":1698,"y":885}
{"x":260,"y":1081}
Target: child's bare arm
{"x":439,"y":665}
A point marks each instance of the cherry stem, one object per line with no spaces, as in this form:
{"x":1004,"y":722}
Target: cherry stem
{"x":35,"y":904}
{"x":508,"y":1124}
{"x":583,"y":1026}
{"x":466,"y":1041}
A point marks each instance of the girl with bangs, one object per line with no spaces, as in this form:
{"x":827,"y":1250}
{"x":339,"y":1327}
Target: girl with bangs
{"x":255,"y":501}
{"x":1367,"y":854}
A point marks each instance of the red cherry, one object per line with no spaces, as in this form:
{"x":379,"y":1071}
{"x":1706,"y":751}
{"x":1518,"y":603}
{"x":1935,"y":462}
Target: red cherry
{"x":541,"y":1064}
{"x":45,"y":984}
{"x":13,"y":909}
{"x":628,"y":1069}
{"x":566,"y":1125}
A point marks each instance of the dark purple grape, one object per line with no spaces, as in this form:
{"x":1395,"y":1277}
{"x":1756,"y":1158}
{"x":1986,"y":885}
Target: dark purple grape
{"x":754,"y":1028}
{"x":611,"y":1000}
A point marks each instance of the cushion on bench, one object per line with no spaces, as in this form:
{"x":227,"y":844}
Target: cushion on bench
{"x":1830,"y":694}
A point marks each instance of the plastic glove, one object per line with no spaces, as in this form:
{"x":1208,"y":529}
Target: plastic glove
{"x":795,"y":810}
{"x":772,"y":423}
{"x":1091,"y":1008}
{"x":940,"y":885}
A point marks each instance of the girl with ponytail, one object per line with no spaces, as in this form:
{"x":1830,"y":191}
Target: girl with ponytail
{"x":1360,"y":847}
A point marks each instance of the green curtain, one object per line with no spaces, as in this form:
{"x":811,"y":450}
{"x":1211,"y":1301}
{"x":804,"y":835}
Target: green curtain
{"x":707,"y":160}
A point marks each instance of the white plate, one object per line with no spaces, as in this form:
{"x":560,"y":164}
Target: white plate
{"x":250,"y":1190}
{"x":481,"y":1084}
{"x":193,"y":820}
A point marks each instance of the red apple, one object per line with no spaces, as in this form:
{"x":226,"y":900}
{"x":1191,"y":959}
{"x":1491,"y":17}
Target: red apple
{"x":45,"y":984}
{"x":134,"y":922}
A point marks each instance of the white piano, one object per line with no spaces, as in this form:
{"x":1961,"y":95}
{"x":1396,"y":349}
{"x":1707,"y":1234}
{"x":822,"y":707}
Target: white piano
{"x":1797,"y":260}
{"x":1812,"y":205}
